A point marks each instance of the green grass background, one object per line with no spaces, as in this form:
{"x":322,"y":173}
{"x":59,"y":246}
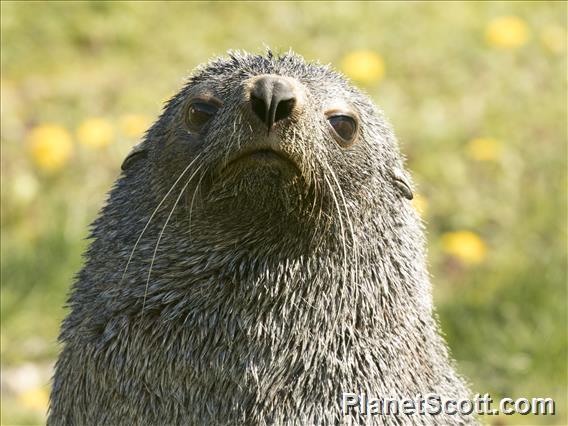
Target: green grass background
{"x":505,"y":319}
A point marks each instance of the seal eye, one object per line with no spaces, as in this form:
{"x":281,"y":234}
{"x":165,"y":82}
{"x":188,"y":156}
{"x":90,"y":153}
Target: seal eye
{"x":344,"y":127}
{"x":199,"y":113}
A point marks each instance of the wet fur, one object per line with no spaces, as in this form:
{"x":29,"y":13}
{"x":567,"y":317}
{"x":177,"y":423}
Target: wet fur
{"x":271,"y":292}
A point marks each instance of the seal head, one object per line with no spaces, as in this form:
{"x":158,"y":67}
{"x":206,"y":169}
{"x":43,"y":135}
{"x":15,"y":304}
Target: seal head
{"x":273,"y":136}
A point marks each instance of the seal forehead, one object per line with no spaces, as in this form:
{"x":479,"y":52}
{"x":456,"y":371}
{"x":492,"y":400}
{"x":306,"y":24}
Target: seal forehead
{"x":231,"y":74}
{"x":242,"y":65}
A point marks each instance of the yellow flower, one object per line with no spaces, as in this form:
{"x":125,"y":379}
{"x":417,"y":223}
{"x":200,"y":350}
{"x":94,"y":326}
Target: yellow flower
{"x":554,"y":38}
{"x":36,"y":399}
{"x":24,"y":187}
{"x":507,"y":32}
{"x":95,"y":133}
{"x":464,"y":245}
{"x":364,"y":66}
{"x":134,"y":125}
{"x":484,"y":149}
{"x":420,"y":203}
{"x":50,"y":146}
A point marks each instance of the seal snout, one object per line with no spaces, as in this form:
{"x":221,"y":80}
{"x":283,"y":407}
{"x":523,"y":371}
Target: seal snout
{"x":273,"y":98}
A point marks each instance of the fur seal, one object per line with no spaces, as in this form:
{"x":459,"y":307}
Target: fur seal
{"x":257,"y":258}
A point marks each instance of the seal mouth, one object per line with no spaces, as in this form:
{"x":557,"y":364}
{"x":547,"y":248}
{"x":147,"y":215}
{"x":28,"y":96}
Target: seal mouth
{"x":264,"y":156}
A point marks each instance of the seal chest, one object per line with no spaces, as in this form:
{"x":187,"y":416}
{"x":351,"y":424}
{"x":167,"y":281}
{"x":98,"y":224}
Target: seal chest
{"x":257,"y":258}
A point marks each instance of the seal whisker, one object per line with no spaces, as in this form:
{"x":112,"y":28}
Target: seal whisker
{"x":354,"y":242}
{"x":315,"y":196}
{"x":192,"y":200}
{"x":339,"y":216}
{"x":318,"y":199}
{"x":154,"y":214}
{"x":162,"y":233}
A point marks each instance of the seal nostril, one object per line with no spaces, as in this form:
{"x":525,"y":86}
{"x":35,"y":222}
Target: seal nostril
{"x":259,"y":107}
{"x":284,"y":109}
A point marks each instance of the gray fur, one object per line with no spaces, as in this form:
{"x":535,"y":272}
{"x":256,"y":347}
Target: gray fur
{"x":271,"y":292}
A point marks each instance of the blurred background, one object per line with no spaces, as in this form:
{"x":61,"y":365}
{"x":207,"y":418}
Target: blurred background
{"x":477,"y":93}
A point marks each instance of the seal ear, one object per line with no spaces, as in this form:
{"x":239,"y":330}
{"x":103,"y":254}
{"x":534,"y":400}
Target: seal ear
{"x":136,"y":153}
{"x":400,"y":181}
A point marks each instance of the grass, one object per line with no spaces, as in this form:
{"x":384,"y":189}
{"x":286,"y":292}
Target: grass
{"x":445,"y":85}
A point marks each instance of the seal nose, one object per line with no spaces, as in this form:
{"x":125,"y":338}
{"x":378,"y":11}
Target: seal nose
{"x":272,"y":99}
